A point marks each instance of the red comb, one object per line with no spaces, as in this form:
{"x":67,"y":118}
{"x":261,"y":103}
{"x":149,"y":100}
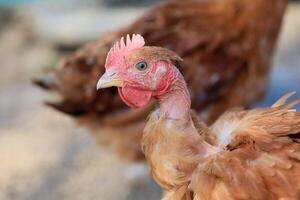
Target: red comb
{"x":120,"y":49}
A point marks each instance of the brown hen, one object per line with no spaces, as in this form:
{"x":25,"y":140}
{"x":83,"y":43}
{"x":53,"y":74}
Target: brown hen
{"x":245,"y":154}
{"x":227,"y":46}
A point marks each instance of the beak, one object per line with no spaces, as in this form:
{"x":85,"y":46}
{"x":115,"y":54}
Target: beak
{"x":109,"y":79}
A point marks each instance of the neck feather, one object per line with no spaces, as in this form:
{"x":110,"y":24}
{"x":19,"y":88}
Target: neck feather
{"x":175,"y":103}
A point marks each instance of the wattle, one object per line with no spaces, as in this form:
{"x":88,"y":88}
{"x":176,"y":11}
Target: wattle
{"x":134,"y":97}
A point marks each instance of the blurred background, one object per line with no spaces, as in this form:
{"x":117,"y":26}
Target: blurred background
{"x":44,"y":154}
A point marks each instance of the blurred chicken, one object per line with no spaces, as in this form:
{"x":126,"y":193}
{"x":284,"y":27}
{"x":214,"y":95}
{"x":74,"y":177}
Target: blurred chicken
{"x":245,"y":154}
{"x":227,"y":46}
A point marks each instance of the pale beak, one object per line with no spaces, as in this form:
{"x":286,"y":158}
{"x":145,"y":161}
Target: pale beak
{"x":109,"y":79}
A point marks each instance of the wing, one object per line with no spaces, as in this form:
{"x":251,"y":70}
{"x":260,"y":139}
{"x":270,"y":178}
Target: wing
{"x":262,"y":159}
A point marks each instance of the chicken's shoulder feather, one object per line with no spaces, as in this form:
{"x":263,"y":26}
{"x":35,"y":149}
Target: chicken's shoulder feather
{"x":261,"y":159}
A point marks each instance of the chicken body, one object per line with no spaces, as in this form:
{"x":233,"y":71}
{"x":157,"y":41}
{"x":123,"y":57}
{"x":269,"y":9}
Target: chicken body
{"x":255,"y":155}
{"x":245,"y":154}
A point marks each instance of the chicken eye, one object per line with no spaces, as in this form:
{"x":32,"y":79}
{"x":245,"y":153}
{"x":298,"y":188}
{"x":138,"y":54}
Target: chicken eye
{"x":141,"y":66}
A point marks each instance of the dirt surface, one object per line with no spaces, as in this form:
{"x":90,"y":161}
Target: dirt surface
{"x":44,"y":155}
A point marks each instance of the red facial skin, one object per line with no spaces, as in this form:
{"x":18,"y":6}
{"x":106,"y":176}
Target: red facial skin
{"x":140,"y":86}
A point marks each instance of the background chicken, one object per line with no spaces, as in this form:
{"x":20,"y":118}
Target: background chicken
{"x":227,"y":46}
{"x":245,"y":154}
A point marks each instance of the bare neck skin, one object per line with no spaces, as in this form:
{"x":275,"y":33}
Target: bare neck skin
{"x":176,"y":102}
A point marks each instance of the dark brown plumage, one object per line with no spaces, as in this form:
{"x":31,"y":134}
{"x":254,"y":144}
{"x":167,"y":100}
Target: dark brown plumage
{"x":227,"y":47}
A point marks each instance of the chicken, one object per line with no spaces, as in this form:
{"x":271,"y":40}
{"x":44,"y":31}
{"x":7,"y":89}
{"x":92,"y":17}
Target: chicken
{"x":227,"y":46}
{"x":245,"y":154}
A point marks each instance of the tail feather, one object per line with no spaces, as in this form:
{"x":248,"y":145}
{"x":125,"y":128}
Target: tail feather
{"x":283,"y":99}
{"x":292,"y":104}
{"x":279,"y":120}
{"x":288,"y":120}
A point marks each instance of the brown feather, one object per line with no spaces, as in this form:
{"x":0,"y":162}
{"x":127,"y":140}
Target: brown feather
{"x":282,"y":100}
{"x":156,"y":53}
